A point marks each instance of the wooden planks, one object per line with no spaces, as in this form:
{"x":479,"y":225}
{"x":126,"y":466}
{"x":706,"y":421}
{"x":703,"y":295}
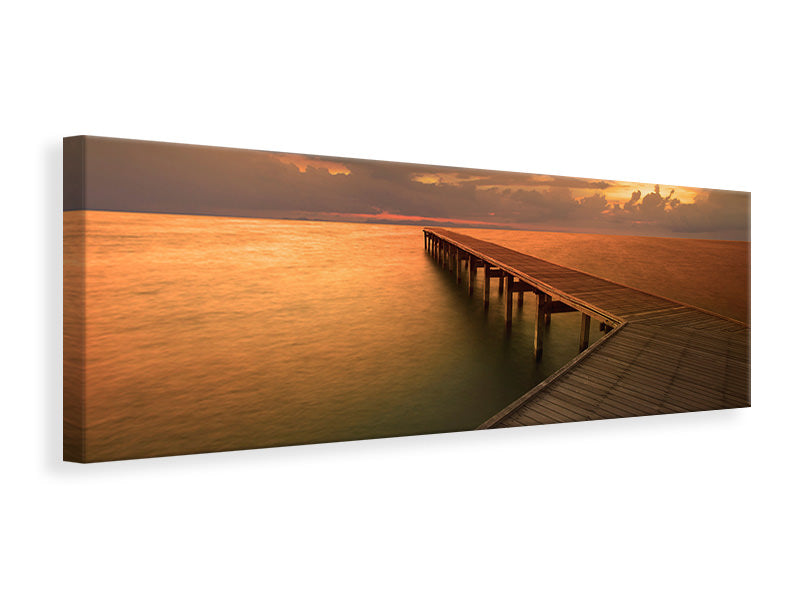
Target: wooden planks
{"x":661,"y":357}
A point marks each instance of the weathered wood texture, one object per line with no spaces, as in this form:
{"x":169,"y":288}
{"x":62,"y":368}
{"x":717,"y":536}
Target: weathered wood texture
{"x":661,"y":356}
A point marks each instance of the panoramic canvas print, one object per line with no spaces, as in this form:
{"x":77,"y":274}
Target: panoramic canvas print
{"x":223,"y":299}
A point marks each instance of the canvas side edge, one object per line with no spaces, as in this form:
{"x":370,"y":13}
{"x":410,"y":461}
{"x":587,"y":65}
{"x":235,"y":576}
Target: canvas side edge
{"x":74,"y":278}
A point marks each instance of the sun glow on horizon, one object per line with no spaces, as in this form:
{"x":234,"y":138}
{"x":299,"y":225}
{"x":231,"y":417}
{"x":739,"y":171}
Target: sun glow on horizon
{"x":620,"y":192}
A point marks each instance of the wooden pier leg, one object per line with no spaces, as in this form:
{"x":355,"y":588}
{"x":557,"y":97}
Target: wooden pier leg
{"x":474,"y":269}
{"x":509,"y":299}
{"x":586,"y":321}
{"x":458,"y":265}
{"x":502,"y":282}
{"x":470,"y":274}
{"x":548,"y":309}
{"x":486,"y":281}
{"x":520,"y":295}
{"x":538,"y":331}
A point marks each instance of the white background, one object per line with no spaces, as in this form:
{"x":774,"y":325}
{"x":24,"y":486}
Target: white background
{"x":690,"y":506}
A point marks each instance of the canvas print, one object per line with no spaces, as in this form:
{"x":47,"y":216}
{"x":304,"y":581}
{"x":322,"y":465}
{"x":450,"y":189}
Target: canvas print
{"x":222,"y":299}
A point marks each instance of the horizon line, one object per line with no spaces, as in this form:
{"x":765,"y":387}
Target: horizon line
{"x":420,"y":222}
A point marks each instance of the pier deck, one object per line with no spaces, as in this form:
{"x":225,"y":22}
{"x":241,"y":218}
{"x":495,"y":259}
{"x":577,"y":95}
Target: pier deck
{"x":659,"y":356}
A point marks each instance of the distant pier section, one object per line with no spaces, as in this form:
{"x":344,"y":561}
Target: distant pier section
{"x":657,"y":356}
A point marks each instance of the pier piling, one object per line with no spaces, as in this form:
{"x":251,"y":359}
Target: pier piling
{"x":509,"y":299}
{"x":538,"y":330}
{"x":486,"y":284}
{"x":584,"y":338}
{"x":470,"y":273}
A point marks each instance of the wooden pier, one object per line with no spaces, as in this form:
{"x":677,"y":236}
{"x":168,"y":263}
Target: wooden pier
{"x":657,"y":356}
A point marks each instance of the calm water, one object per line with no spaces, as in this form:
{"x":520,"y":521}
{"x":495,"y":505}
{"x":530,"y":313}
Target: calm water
{"x":214,"y":333}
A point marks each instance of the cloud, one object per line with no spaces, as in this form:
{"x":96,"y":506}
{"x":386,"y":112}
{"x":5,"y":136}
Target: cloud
{"x":716,"y":210}
{"x":593,"y":205}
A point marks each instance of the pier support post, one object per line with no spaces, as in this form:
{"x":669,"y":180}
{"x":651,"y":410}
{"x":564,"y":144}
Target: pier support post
{"x":509,"y":299}
{"x":520,"y":295}
{"x":583,"y":342}
{"x":548,"y":308}
{"x":502,"y":283}
{"x":470,"y":273}
{"x":458,"y":265}
{"x":486,"y":281}
{"x":538,"y":331}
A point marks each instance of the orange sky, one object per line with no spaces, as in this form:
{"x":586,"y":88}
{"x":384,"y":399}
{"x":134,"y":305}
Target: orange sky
{"x":154,"y":177}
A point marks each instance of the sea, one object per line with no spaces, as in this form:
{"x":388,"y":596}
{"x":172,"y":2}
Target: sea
{"x":208,"y":334}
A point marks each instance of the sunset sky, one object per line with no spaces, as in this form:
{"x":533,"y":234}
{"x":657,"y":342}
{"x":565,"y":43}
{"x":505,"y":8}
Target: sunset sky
{"x":140,"y":176}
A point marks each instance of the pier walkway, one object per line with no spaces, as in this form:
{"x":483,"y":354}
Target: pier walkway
{"x":658,"y":356}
